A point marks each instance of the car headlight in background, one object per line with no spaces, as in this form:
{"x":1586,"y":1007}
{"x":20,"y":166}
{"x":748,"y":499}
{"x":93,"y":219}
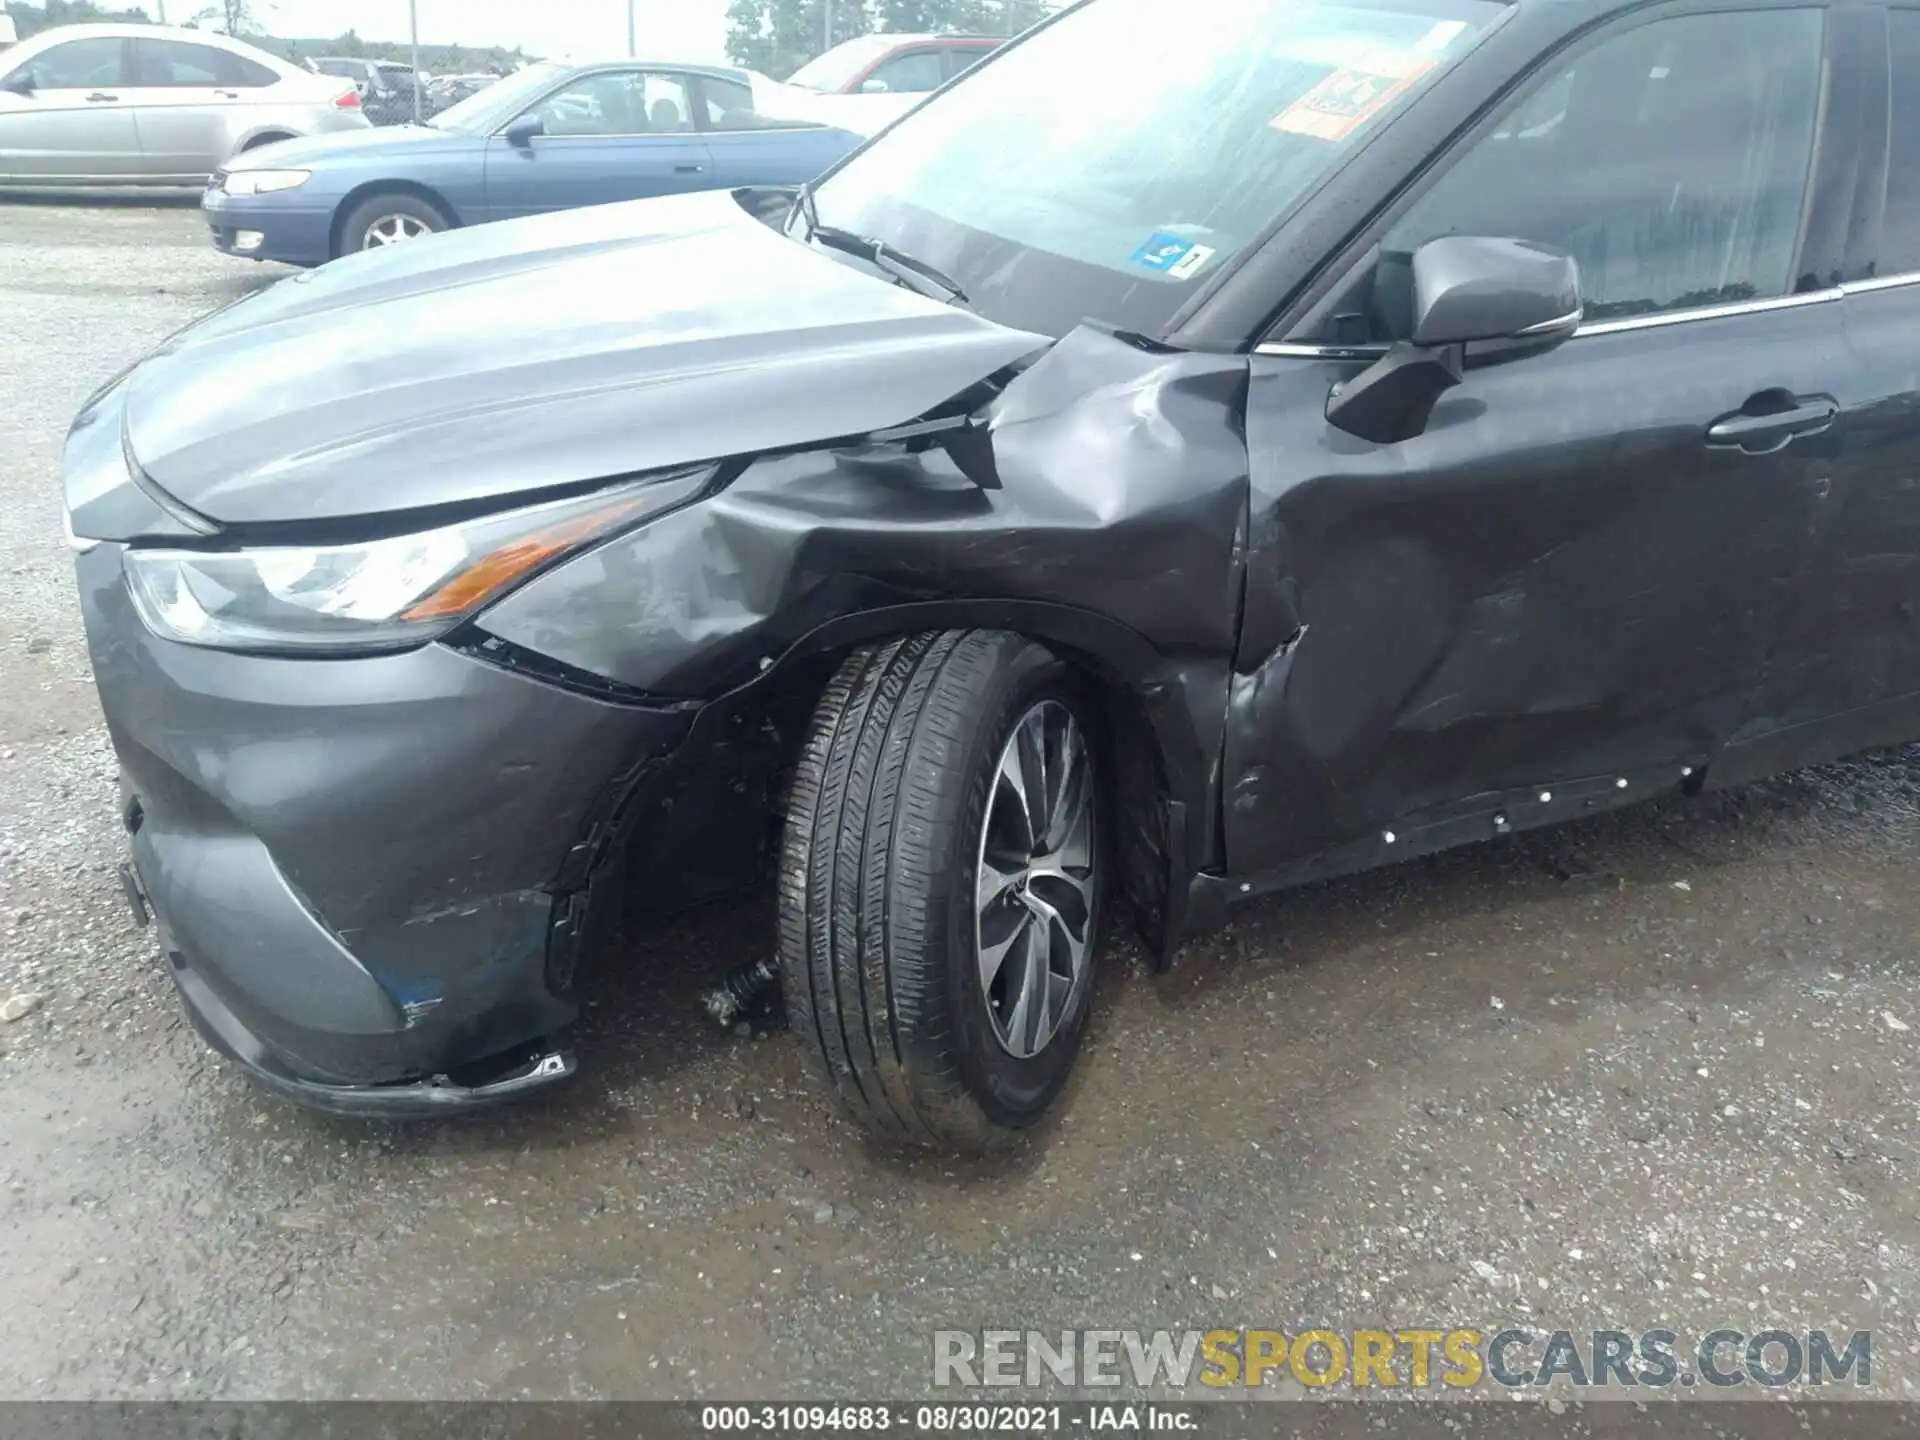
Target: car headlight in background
{"x":264,"y":182}
{"x":378,"y":594}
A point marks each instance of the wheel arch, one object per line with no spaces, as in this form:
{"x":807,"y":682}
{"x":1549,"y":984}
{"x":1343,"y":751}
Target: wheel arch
{"x":368,"y":189}
{"x":265,"y":135}
{"x":1162,"y":763}
{"x":705,"y":821}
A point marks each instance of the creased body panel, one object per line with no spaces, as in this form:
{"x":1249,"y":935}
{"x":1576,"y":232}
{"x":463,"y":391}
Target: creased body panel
{"x":1116,"y":530}
{"x":1122,"y":484}
{"x":1560,"y":579}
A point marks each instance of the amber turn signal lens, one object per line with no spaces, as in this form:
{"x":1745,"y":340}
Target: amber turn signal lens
{"x":493,"y":572}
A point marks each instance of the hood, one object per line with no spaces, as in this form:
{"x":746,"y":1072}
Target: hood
{"x":534,"y":353}
{"x":859,"y":114}
{"x":865,"y":115}
{"x":390,"y":142}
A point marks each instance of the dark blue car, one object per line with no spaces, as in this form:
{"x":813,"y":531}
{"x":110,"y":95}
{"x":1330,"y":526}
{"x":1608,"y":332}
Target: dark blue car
{"x":551,"y":137}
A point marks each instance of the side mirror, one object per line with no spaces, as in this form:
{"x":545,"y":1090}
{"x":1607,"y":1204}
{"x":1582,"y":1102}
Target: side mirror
{"x":522,"y":131}
{"x":20,"y":82}
{"x":1467,"y":289}
{"x":874,"y":87}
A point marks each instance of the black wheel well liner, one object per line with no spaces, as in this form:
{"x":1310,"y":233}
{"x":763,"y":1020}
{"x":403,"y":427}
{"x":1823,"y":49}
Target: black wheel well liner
{"x":365,"y":191}
{"x":733,"y":768}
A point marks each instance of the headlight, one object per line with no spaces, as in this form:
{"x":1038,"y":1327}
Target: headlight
{"x":265,"y":182}
{"x":380,"y":594}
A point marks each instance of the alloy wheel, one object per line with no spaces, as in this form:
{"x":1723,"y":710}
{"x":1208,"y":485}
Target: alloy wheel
{"x":392,"y":229}
{"x":1034,"y":891}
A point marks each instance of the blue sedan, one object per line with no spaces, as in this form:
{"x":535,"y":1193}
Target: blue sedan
{"x":550,"y":137}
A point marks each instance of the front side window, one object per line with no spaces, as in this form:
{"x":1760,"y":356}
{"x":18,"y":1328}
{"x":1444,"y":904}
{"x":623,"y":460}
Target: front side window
{"x":911,"y":73}
{"x":618,"y":102}
{"x":1109,"y":163}
{"x":1900,"y":239}
{"x":1670,"y":161}
{"x":80,"y":65}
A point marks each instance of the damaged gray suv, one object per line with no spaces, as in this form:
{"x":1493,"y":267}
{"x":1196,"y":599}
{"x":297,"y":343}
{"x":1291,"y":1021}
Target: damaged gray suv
{"x":1176,"y":462}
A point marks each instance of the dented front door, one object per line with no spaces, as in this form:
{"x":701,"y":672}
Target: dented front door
{"x":1572,"y":575}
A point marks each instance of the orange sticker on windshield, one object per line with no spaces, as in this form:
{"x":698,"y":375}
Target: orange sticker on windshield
{"x":1349,"y":97}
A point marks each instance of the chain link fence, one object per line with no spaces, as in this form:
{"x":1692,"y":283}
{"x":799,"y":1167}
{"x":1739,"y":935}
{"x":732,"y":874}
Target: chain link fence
{"x":450,"y":44}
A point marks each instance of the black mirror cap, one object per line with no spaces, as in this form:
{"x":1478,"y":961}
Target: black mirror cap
{"x":522,"y":131}
{"x":18,"y":83}
{"x":1475,"y":287}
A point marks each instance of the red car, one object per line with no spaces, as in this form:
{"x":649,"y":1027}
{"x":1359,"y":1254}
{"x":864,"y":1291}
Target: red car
{"x":893,"y":64}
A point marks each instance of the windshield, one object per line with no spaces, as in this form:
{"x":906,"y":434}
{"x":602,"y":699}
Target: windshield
{"x":833,"y":71}
{"x":487,"y":110}
{"x":1111,"y":162}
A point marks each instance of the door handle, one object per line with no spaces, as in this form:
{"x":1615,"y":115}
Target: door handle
{"x":228,"y":94}
{"x":688,"y":169}
{"x":1771,"y":419}
{"x":100,"y":95}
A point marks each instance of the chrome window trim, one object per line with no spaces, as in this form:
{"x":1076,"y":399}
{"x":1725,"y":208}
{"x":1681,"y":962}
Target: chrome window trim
{"x":1569,"y":321}
{"x":1292,"y":350}
{"x":1709,"y":312}
{"x":1880,"y":282}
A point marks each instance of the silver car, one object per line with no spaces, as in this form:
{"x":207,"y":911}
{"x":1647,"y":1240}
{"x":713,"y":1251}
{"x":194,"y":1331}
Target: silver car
{"x":118,"y":105}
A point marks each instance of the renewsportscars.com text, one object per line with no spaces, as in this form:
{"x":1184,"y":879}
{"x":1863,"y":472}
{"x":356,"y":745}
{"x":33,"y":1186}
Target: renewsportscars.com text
{"x":1456,"y":1358}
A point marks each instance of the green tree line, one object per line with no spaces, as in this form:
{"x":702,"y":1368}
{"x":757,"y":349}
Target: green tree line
{"x":777,"y":37}
{"x":28,"y":17}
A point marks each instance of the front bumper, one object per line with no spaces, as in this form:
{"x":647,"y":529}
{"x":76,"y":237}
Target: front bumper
{"x":366,"y":871}
{"x":291,"y":226}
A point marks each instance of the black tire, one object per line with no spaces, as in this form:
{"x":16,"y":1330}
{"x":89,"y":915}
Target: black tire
{"x":879,"y":952}
{"x":378,"y":209}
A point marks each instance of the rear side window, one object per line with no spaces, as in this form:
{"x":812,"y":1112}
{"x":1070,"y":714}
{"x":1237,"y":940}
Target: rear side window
{"x":1670,"y":161}
{"x":80,"y":65}
{"x":245,"y":73}
{"x":1900,"y":240}
{"x":729,"y":105}
{"x":168,"y":64}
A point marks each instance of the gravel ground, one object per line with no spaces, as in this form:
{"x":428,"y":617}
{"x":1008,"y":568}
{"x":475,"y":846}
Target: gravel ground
{"x":1652,"y":1069}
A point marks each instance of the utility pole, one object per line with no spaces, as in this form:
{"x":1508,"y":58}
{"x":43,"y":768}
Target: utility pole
{"x":161,"y":6}
{"x":826,"y":39}
{"x":413,"y":28}
{"x":632,"y":46}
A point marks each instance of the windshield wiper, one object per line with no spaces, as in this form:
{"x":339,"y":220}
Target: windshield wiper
{"x":876,"y":252}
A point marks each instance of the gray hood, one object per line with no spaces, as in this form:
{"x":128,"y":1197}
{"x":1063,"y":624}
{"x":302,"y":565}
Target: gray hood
{"x":535,"y":353}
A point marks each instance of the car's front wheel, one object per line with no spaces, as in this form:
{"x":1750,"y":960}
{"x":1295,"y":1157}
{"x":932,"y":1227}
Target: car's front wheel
{"x":388,"y":220}
{"x":941,"y":885}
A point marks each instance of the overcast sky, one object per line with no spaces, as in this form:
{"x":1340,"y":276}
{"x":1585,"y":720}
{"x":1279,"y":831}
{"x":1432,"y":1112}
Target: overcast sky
{"x":668,"y":29}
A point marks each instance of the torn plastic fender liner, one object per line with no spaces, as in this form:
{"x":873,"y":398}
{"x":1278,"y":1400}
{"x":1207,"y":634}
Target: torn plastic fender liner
{"x":1117,"y":532}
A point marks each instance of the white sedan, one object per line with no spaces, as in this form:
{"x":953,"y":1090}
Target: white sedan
{"x":124,"y":105}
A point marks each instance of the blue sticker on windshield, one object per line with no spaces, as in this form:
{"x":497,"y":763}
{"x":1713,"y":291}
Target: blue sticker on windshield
{"x":1171,"y":255}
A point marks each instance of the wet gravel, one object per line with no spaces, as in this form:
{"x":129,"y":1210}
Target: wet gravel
{"x":1656,"y":1068}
